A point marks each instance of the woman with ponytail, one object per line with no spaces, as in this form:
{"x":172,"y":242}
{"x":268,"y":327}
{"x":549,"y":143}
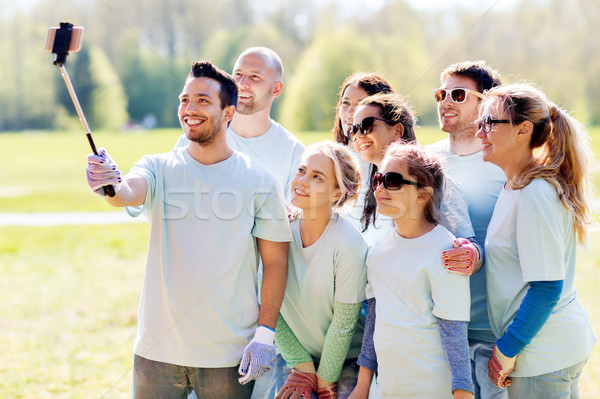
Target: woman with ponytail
{"x":544,"y":334}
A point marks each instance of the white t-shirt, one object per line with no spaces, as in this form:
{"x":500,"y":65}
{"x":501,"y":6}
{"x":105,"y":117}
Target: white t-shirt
{"x":413,"y":289}
{"x":278,"y":150}
{"x":531,"y":238}
{"x":480,"y":183}
{"x":331,"y":269}
{"x":199,"y":305}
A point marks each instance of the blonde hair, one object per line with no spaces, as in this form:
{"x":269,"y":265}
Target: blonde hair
{"x":565,"y":154}
{"x":345,"y":166}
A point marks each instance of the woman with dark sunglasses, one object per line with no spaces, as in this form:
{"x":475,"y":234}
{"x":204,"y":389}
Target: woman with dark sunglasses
{"x":355,"y":88}
{"x":379,"y":121}
{"x":316,"y":331}
{"x":542,"y":213}
{"x":422,"y":309}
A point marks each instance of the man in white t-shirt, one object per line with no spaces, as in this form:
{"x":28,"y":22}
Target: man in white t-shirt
{"x":212,"y":211}
{"x":258,"y":72}
{"x":480,"y":182}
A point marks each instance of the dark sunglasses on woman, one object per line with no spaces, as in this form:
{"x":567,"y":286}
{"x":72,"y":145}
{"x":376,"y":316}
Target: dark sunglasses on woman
{"x":458,"y":95}
{"x":391,"y":181}
{"x":365,"y":127}
{"x":486,"y":123}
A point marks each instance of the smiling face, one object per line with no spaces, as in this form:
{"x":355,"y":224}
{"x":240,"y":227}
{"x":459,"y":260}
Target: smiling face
{"x":371,"y":147}
{"x":397,"y":204}
{"x":199,"y":111}
{"x":458,"y":119}
{"x":258,"y":83}
{"x":353,"y":94}
{"x":500,"y":143}
{"x":314,"y":187}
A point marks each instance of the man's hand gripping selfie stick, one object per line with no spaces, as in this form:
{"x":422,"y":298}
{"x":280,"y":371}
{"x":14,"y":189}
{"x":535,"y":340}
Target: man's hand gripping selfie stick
{"x":60,"y":41}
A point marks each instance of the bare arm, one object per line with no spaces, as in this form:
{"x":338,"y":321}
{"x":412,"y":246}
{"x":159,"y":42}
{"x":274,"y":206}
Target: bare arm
{"x":131,"y":192}
{"x":274,"y":257}
{"x":363,"y":385}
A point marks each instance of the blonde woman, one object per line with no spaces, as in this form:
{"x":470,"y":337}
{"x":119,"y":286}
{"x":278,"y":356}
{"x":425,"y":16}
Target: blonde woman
{"x":326,"y":279}
{"x":544,"y":335}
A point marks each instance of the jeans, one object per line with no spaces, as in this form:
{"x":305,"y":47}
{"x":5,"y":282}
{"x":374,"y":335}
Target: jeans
{"x":157,"y":380}
{"x":562,"y":384}
{"x":481,"y":353}
{"x":268,"y":386}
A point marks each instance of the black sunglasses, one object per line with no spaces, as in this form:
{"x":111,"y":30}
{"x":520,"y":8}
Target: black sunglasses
{"x":364,"y":127}
{"x":458,"y":95}
{"x":486,"y":123}
{"x":391,"y":181}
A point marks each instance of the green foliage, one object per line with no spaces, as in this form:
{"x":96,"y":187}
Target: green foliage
{"x":109,"y":103}
{"x":150,"y":46}
{"x":26,"y":87}
{"x":98,"y":89}
{"x":312,"y":93}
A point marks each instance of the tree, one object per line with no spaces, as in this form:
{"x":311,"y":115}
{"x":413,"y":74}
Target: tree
{"x":312,"y":92}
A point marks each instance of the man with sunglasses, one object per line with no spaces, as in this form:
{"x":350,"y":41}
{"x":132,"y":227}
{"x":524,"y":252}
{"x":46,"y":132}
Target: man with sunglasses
{"x":458,"y":100}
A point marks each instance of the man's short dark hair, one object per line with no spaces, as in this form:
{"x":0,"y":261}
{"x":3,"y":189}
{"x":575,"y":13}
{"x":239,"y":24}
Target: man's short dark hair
{"x":229,"y":90}
{"x":484,"y":75}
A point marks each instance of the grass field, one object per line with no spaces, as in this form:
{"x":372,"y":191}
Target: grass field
{"x":70,"y":293}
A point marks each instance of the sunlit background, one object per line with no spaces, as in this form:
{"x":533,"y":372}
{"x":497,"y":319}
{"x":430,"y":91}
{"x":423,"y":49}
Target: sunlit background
{"x":69,"y":288}
{"x":136,"y":53}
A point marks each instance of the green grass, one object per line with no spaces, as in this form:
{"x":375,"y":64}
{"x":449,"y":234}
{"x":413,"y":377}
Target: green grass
{"x":45,"y":172}
{"x":68,"y":312}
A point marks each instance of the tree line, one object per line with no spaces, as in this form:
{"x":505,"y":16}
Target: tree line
{"x":136,"y":54}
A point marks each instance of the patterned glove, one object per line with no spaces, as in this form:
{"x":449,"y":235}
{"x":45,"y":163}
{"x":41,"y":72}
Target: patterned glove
{"x":258,"y":356}
{"x":462,"y":258}
{"x":292,"y":212}
{"x":499,"y":367}
{"x":102,"y":171}
{"x":328,"y":392}
{"x":298,"y":385}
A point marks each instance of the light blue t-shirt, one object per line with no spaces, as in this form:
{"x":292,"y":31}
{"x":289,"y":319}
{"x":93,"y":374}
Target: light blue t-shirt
{"x":278,"y":150}
{"x":413,"y":289}
{"x":480,"y":183}
{"x":331,"y":269}
{"x":199,"y":304}
{"x":531,"y":238}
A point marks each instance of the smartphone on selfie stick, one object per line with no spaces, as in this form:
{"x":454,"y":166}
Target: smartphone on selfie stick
{"x":60,"y":41}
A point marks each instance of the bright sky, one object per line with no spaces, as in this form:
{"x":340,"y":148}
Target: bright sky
{"x":421,"y":4}
{"x":441,"y":4}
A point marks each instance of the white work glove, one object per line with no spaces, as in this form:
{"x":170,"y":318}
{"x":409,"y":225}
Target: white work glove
{"x":102,"y":171}
{"x":259,"y":355}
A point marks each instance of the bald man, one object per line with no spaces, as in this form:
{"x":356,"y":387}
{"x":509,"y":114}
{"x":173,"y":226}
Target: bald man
{"x":258,"y":72}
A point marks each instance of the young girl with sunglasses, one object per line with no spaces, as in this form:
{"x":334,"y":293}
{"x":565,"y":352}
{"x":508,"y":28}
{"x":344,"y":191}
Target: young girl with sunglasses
{"x":326,"y":279}
{"x":420,"y":334}
{"x":544,"y":335}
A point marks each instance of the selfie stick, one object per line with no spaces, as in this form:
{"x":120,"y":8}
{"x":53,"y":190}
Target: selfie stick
{"x":60,"y":47}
